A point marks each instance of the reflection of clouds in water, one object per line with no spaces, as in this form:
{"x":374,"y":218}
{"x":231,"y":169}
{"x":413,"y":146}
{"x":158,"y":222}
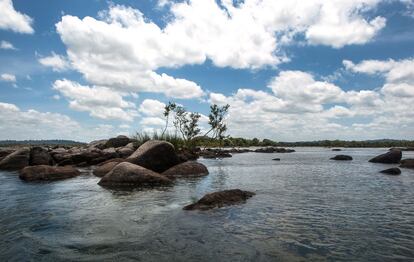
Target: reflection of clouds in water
{"x":307,"y":207}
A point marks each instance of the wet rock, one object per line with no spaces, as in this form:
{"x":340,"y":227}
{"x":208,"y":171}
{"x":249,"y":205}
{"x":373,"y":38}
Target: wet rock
{"x":391,"y":171}
{"x":16,"y":160}
{"x":391,"y":157}
{"x":155,"y":155}
{"x":342,"y":158}
{"x":274,"y":150}
{"x":407,"y":163}
{"x":214,"y":153}
{"x":104,"y":169}
{"x":276,"y":159}
{"x":117,"y":141}
{"x":40,"y":156}
{"x":186,"y":169}
{"x":47,"y":173}
{"x":129,"y":175}
{"x":220,"y":199}
{"x":185,"y":155}
{"x":336,"y":149}
{"x":5,"y":151}
{"x":125,"y":151}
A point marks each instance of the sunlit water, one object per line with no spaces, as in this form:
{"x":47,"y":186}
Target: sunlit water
{"x":307,"y":208}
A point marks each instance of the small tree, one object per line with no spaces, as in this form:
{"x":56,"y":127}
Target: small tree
{"x":186,"y":123}
{"x":215,"y":120}
{"x":167,"y":110}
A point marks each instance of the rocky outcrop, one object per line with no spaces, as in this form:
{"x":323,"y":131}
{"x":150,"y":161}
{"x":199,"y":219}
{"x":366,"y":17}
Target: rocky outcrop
{"x":126,"y":151}
{"x":407,"y":163}
{"x":47,"y":173}
{"x":214,"y":153}
{"x":16,"y":160}
{"x":117,"y":142}
{"x":186,"y":169}
{"x":274,"y":150}
{"x":391,"y":171}
{"x":220,"y":199}
{"x":342,"y":158}
{"x":155,"y":155}
{"x":391,"y":157}
{"x":130,"y":175}
{"x":104,"y":169}
{"x":40,"y":156}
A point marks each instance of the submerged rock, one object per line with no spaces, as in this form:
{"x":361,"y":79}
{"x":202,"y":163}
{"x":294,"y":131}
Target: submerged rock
{"x":407,"y":163}
{"x":16,"y":160}
{"x":126,"y":174}
{"x":336,"y":149}
{"x":391,"y":157}
{"x":220,"y":199}
{"x":342,"y":158}
{"x":391,"y":171}
{"x":274,"y":150}
{"x":47,"y":173}
{"x":276,"y":159}
{"x":155,"y":155}
{"x":186,"y":169}
{"x":214,"y":153}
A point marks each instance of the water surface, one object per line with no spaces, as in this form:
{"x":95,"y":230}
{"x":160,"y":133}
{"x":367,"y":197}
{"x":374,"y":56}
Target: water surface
{"x":307,"y":208}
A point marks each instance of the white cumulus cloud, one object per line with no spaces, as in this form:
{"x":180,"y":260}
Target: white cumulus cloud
{"x":8,"y":77}
{"x":6,"y":45}
{"x":10,"y":19}
{"x":58,"y":63}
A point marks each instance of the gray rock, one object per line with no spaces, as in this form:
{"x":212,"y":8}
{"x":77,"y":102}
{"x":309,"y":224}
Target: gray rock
{"x":186,"y":169}
{"x":16,"y":160}
{"x":391,"y":157}
{"x":220,"y":199}
{"x":155,"y":155}
{"x":407,"y":163}
{"x":391,"y":171}
{"x":47,"y":173}
{"x":342,"y":158}
{"x":117,"y":141}
{"x":129,"y":175}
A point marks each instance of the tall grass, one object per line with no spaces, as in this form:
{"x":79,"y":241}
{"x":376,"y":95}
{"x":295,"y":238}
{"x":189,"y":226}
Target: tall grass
{"x":142,"y":137}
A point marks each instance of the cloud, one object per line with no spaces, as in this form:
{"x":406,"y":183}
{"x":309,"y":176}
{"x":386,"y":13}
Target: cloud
{"x":7,"y":45}
{"x":301,"y":107}
{"x":152,"y":107}
{"x":100,"y":102}
{"x":19,"y":124}
{"x":58,"y":63}
{"x":10,"y":19}
{"x":8,"y":77}
{"x":124,"y":51}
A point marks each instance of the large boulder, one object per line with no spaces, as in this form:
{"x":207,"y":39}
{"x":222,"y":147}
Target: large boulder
{"x":220,"y":199}
{"x":16,"y":160}
{"x":391,"y":171}
{"x":186,"y":169}
{"x":47,"y":173}
{"x":126,"y":174}
{"x":391,"y":157}
{"x":342,"y":158}
{"x":40,"y":156}
{"x":155,"y":155}
{"x":407,"y":163}
{"x":117,"y":141}
{"x":104,"y":169}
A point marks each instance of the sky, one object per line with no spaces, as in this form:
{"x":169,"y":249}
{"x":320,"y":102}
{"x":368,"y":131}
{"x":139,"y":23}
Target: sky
{"x":290,"y":70}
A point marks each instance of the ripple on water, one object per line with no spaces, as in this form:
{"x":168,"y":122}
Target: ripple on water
{"x":306,"y":208}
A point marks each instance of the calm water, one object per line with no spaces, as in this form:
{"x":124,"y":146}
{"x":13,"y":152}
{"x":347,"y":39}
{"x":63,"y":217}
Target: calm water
{"x":306,"y":208}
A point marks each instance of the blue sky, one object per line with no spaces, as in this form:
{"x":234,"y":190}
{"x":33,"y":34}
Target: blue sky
{"x":86,"y":70}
